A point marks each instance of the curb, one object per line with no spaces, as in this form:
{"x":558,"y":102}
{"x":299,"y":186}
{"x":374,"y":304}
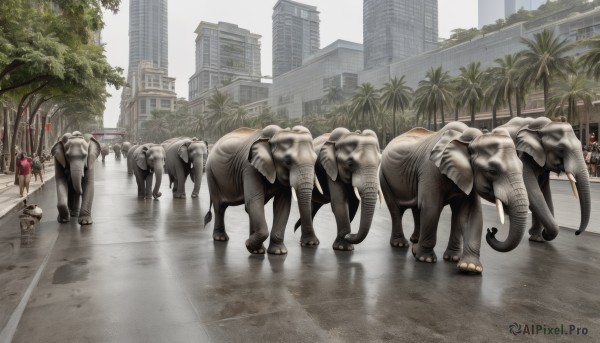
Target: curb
{"x":11,"y":207}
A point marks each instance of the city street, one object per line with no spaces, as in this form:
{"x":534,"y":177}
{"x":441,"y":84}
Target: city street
{"x":149,"y":271}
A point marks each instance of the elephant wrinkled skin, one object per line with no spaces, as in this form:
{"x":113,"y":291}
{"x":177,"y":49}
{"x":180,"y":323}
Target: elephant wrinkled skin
{"x":185,"y":156}
{"x":74,"y":159}
{"x":250,"y":167}
{"x":144,"y":161}
{"x":425,"y":171}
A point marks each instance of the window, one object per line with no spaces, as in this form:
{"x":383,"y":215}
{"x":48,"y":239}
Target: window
{"x":152,"y":104}
{"x":143,"y":106}
{"x":165,"y":103}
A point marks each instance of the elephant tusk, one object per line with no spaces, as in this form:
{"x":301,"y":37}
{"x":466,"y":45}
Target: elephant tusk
{"x":294,"y":194}
{"x":380,"y":198}
{"x":356,"y":193}
{"x":500,"y":209}
{"x":573,"y":187}
{"x":318,"y":185}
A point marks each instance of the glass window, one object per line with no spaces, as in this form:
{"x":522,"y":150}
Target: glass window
{"x":152,"y":103}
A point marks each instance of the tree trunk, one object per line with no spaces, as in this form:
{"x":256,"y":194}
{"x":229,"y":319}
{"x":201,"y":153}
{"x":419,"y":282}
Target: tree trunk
{"x":443,"y":119}
{"x":42,"y":133}
{"x":518,"y":101}
{"x":472,"y":115}
{"x":510,"y":109}
{"x":456,"y":113}
{"x":5,"y":143}
{"x":394,"y":123}
{"x":546,"y":86}
{"x":494,"y":110}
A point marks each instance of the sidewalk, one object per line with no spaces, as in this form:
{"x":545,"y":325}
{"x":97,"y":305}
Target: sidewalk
{"x":9,"y":192}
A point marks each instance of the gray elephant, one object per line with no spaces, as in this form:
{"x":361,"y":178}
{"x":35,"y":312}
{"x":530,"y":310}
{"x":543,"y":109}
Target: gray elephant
{"x":348,"y":167}
{"x":129,"y":156}
{"x":145,"y":161}
{"x":125,"y":148}
{"x":74,"y":159}
{"x":545,"y":146}
{"x":117,"y":149}
{"x":104,"y":150}
{"x":250,"y":167}
{"x":425,"y":171}
{"x":185,"y":156}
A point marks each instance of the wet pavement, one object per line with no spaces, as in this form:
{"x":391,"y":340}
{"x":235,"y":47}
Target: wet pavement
{"x":149,"y":271}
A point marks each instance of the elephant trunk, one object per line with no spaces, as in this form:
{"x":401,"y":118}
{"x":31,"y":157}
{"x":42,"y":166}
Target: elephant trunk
{"x":302,"y":180}
{"x":583,"y":189}
{"x":518,"y":205}
{"x":76,"y":170}
{"x":158,"y":172}
{"x":198,"y":163}
{"x":367,"y":183}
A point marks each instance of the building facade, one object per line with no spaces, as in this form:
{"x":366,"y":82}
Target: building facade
{"x":301,"y":91}
{"x":148,"y":34}
{"x":512,"y":6}
{"x":242,"y":92}
{"x":394,"y":30}
{"x":491,"y":10}
{"x":296,"y":35}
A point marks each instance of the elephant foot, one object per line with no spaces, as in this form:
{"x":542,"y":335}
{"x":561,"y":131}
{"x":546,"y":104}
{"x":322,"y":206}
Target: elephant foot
{"x":414,"y":238}
{"x":342,"y":245}
{"x":309,"y":240}
{"x":62,"y":219}
{"x":452,"y":255}
{"x":157,"y":195}
{"x":537,"y":238}
{"x":179,"y":196}
{"x":194,"y":195}
{"x":470,"y":264}
{"x":400,"y":242}
{"x":277,"y":248}
{"x":85,"y":220}
{"x":220,"y":235}
{"x":74,"y":213}
{"x":424,"y":254}
{"x":258,"y":250}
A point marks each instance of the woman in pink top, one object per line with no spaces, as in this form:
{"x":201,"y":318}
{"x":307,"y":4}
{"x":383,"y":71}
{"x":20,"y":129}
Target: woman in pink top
{"x":24,"y":164}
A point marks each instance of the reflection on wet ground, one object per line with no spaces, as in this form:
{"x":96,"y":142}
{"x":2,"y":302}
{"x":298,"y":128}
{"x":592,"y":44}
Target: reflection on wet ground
{"x":149,"y":271}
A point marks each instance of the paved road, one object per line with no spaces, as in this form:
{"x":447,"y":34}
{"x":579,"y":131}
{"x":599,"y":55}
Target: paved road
{"x":148,"y":271}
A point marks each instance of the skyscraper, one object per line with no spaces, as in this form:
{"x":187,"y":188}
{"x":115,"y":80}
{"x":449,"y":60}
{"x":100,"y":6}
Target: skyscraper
{"x":397,"y":29}
{"x":295,"y":34}
{"x":148,"y":34}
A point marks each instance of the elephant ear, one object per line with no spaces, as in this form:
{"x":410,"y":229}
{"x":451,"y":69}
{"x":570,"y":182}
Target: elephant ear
{"x":183,"y":152}
{"x":260,"y":157}
{"x":93,"y":150}
{"x":140,"y":159}
{"x":530,"y":142}
{"x":58,"y":151}
{"x":328,"y":160}
{"x":451,"y":156}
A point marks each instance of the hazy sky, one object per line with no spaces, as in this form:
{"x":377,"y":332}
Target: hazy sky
{"x":340,"y":19}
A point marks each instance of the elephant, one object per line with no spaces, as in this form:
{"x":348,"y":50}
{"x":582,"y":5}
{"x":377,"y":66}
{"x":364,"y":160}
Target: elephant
{"x":348,"y":167}
{"x":117,"y":149}
{"x":425,"y":171}
{"x":250,"y":167}
{"x":145,"y":160}
{"x":185,"y":156}
{"x":129,"y":156}
{"x":74,"y":159}
{"x":546,"y":146}
{"x":104,"y":150}
{"x":125,"y":148}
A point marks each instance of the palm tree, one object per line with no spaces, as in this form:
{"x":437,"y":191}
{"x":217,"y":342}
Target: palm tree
{"x":433,"y":94}
{"x":395,"y":95}
{"x":470,"y":83}
{"x":156,"y":129}
{"x":236,"y":118}
{"x":265,"y":118}
{"x":495,"y":90}
{"x":334,"y":95}
{"x":590,"y":60}
{"x":366,"y":103}
{"x":544,"y":59}
{"x":506,"y":75}
{"x":341,"y":115}
{"x":219,"y":106}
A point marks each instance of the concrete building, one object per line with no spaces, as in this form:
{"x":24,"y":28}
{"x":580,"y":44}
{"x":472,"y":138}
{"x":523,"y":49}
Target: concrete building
{"x":491,"y":10}
{"x":296,"y":35}
{"x":148,"y":34}
{"x":486,"y":49}
{"x":242,"y":92}
{"x":301,"y":91}
{"x":151,"y":89}
{"x":394,"y":30}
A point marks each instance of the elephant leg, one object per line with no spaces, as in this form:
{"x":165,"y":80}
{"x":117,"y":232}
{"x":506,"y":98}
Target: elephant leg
{"x":454,"y":249}
{"x":340,"y":206}
{"x":254,"y":198}
{"x":148,"y":183}
{"x":430,"y":209}
{"x":471,"y":223}
{"x":281,"y":211}
{"x":85,"y":214}
{"x":397,"y":238}
{"x":539,"y":207}
{"x":62,"y":191}
{"x":414,"y":238}
{"x":76,"y":205}
{"x":535,"y":232}
{"x":180,"y":177}
{"x":219,"y":233}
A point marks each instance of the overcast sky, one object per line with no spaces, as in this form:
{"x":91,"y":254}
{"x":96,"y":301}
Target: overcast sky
{"x":340,"y":19}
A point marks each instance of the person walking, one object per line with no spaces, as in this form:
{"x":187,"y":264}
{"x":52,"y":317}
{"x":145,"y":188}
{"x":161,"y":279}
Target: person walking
{"x":37,"y":169}
{"x":23,"y":170}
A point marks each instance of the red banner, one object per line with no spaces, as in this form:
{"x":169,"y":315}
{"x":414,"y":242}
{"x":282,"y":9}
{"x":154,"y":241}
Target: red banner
{"x":48,"y":127}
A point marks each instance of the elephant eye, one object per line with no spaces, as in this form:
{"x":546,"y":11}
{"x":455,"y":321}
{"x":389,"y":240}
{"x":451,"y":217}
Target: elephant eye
{"x":284,"y":145}
{"x":493,"y":173}
{"x":350,"y":147}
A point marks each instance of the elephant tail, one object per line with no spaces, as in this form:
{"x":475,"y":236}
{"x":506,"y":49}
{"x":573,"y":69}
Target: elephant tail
{"x":208,"y":216}
{"x":297,"y":225}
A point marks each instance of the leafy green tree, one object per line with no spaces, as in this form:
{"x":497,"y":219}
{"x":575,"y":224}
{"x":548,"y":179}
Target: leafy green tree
{"x":396,"y":95}
{"x":220,"y":104}
{"x":334,"y":96}
{"x":433,"y":94}
{"x":590,"y":60}
{"x":470,"y":85}
{"x":366,"y":103}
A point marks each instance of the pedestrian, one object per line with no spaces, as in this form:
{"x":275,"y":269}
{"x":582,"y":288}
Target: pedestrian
{"x":23,"y":164}
{"x":37,"y":168}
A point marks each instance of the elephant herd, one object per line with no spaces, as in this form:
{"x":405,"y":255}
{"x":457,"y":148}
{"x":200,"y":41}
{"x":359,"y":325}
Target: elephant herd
{"x":419,"y":170}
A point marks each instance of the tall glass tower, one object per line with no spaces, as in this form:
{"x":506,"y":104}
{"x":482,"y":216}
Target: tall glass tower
{"x":295,"y":34}
{"x":148,"y":34}
{"x":397,"y":29}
